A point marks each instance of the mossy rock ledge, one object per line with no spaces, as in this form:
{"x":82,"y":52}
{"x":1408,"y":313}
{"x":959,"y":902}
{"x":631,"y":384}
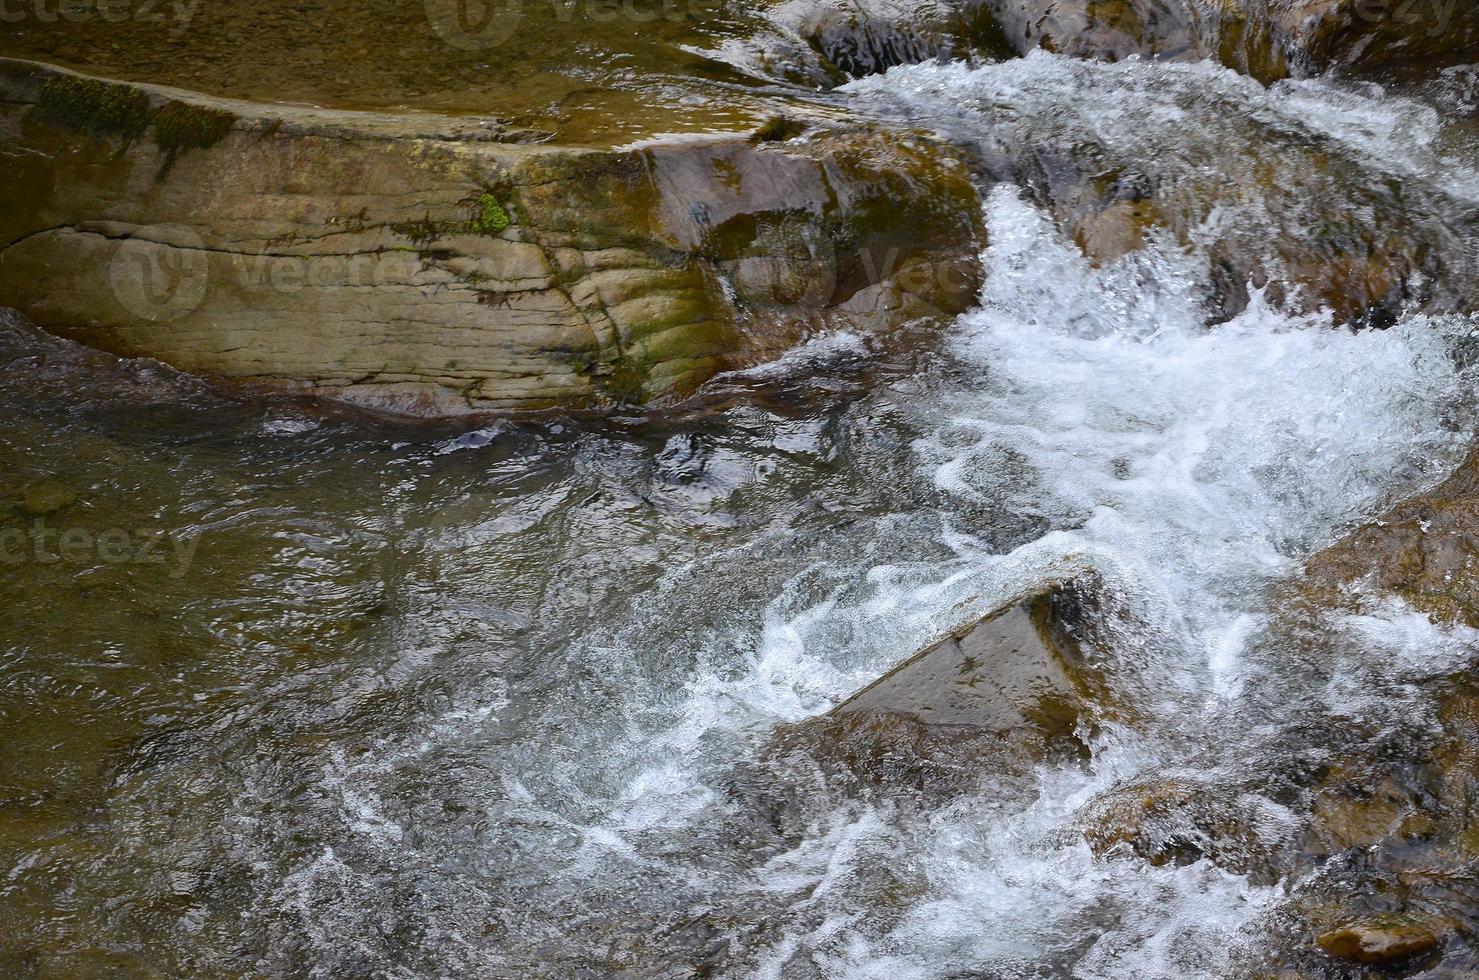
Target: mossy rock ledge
{"x":434,"y":265}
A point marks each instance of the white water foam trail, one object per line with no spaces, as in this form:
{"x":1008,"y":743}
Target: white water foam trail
{"x":1199,"y":113}
{"x":1192,"y":466}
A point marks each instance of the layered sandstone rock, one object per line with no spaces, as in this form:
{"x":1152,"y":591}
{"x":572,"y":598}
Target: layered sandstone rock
{"x":435,"y":265}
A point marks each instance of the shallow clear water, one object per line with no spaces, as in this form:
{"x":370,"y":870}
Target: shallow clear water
{"x":500,"y":701}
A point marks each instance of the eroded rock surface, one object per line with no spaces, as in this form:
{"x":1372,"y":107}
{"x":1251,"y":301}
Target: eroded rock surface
{"x":1268,"y":39}
{"x":426,"y":264}
{"x":1003,"y":692}
{"x":1425,"y":550}
{"x":1379,"y":941}
{"x":1362,"y":807}
{"x":1008,"y":671}
{"x":1259,"y":186}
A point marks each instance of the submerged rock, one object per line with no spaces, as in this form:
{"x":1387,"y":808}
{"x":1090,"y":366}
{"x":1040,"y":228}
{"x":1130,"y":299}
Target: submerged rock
{"x":1180,"y":820}
{"x":603,"y":73}
{"x":1379,"y":941}
{"x":421,"y":264}
{"x":47,"y":497}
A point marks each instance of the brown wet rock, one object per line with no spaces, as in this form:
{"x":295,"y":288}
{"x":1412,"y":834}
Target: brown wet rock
{"x":1319,"y":794}
{"x":426,"y":265}
{"x":1425,"y":550}
{"x":1312,"y":228}
{"x":1379,"y":941}
{"x":864,"y":37}
{"x":1176,"y":821}
{"x":993,"y":698}
{"x":1267,"y":39}
{"x":1350,"y":922}
{"x":1012,"y":670}
{"x":1040,"y":664}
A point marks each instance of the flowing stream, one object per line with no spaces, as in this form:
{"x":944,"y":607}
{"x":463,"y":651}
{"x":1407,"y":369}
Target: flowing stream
{"x":425,"y":701}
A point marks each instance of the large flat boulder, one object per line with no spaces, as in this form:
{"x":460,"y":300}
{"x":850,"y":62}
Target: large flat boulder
{"x":438,"y":265}
{"x":998,"y":695}
{"x":1013,"y":669}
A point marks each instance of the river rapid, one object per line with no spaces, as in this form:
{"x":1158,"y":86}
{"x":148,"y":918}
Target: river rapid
{"x":502,"y":701}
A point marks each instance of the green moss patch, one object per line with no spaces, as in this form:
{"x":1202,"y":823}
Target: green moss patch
{"x":179,"y":126}
{"x":627,"y":382}
{"x":419,"y":232}
{"x":778,"y":129}
{"x":491,"y":218}
{"x":95,"y":107}
{"x":100,"y":108}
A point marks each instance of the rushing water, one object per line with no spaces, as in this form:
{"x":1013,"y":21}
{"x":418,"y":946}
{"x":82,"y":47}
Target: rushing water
{"x":500,"y":702}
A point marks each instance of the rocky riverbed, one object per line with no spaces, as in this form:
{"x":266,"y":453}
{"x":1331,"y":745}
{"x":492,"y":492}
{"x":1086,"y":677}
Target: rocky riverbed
{"x":792,"y":490}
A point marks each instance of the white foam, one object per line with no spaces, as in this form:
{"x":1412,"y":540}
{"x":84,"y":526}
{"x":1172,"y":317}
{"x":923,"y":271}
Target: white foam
{"x":1194,"y":467}
{"x":1191,"y":466}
